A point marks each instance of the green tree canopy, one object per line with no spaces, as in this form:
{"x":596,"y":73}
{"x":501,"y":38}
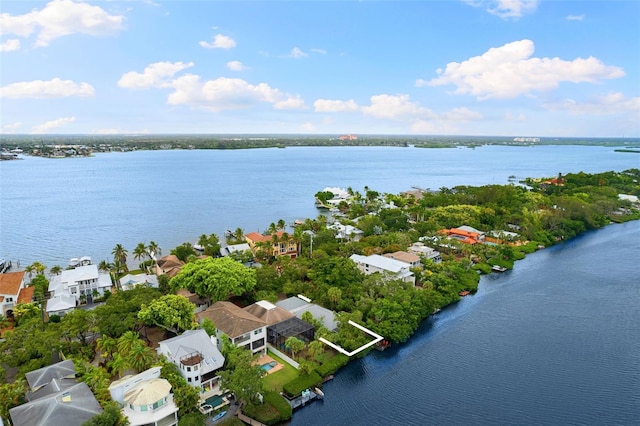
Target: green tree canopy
{"x":215,"y":278}
{"x":171,"y":312}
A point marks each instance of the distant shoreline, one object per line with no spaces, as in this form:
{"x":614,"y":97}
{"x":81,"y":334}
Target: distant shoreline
{"x":61,"y":146}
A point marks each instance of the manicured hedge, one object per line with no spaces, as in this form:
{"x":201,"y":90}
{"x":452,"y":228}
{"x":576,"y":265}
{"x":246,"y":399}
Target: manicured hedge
{"x":296,"y":386}
{"x":333,"y":365}
{"x":280,"y":404}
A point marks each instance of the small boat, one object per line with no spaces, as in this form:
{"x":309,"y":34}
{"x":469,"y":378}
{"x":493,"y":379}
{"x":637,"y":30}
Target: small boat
{"x":464,"y":293}
{"x":298,"y":222}
{"x":326,"y":379}
{"x":498,"y":268}
{"x":219,"y":415}
{"x":319,"y":393}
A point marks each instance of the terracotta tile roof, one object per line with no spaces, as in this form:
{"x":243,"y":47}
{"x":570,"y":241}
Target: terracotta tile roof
{"x":256,"y":237}
{"x":231,"y":319}
{"x":10,"y":282}
{"x":26,"y":294}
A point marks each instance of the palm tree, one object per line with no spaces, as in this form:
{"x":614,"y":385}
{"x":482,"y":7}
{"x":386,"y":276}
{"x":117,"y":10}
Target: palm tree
{"x":107,"y":346}
{"x":118,"y":364}
{"x":281,"y":224}
{"x":55,"y":270}
{"x":120,"y":255}
{"x":103,"y":266}
{"x":154,"y":249}
{"x":315,"y":349}
{"x":238,"y":234}
{"x":140,"y":251}
{"x":126,"y":342}
{"x":29,"y":270}
{"x":140,"y":356}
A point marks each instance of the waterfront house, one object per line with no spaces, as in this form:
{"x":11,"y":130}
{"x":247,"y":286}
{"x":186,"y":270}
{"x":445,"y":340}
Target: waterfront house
{"x":277,"y":244}
{"x":420,"y":249}
{"x":298,"y":305}
{"x":346,"y":232}
{"x":145,"y":399}
{"x":464,"y":234}
{"x":411,"y":259}
{"x":234,"y":248}
{"x":129,"y":281}
{"x":243,"y":328}
{"x":196,"y":356}
{"x":281,"y":324}
{"x":11,"y":284}
{"x":168,"y":265}
{"x":55,"y":398}
{"x":82,"y":281}
{"x":392,"y":268}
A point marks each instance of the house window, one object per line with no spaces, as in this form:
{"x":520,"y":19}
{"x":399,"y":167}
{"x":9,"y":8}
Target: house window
{"x":196,"y":378}
{"x":195,"y":368}
{"x":158,"y":404}
{"x":258,"y":331}
{"x":257,"y":344}
{"x":189,"y":379}
{"x":9,"y":299}
{"x":143,"y":407}
{"x":188,"y":368}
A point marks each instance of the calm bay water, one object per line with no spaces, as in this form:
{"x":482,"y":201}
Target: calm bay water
{"x":53,"y":210}
{"x":555,"y":341}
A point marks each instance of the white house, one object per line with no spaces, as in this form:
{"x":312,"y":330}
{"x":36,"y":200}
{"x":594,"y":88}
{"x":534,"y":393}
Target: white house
{"x":146,"y":399}
{"x":60,"y":305}
{"x":411,"y":259}
{"x":427,"y":252}
{"x":129,"y":281}
{"x":196,"y":356}
{"x":11,"y":283}
{"x":243,"y":328}
{"x":346,"y":232}
{"x":384,"y":265}
{"x":80,"y":281}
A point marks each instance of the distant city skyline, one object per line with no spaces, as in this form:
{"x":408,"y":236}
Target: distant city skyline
{"x":525,"y":68}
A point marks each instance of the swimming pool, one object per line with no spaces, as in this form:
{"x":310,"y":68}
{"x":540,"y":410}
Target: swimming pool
{"x":268,"y":366}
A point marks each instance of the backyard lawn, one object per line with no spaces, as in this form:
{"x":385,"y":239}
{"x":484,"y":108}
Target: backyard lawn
{"x":275,"y":381}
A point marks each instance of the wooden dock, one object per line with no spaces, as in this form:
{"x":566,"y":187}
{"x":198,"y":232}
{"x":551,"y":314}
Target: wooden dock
{"x":300,"y":401}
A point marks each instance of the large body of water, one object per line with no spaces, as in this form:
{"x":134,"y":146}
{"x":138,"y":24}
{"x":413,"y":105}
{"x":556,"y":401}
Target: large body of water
{"x":54,"y":209}
{"x":555,"y":341}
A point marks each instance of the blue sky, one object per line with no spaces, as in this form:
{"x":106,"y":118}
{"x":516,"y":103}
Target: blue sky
{"x":469,"y":67}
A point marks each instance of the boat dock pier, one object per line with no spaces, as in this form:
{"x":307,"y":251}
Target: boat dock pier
{"x":306,"y":396}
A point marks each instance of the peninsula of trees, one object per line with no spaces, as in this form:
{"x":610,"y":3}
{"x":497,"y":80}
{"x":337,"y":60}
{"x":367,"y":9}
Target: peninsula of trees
{"x":116,"y":336}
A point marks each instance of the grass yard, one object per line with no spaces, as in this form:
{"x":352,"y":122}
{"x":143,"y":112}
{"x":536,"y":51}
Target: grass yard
{"x":275,"y":381}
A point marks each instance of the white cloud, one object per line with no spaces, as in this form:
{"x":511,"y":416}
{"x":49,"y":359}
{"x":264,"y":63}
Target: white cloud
{"x":219,"y":42}
{"x":297,"y":53}
{"x":10,"y":45}
{"x":509,"y":71}
{"x":396,"y":107}
{"x":575,"y":17}
{"x":11,"y":128}
{"x":227,"y":93}
{"x":60,"y":18}
{"x":509,"y":116}
{"x":54,"y":88}
{"x":53,"y":124}
{"x":158,"y":74}
{"x":329,"y":105}
{"x":611,"y":103}
{"x":505,"y":9}
{"x":462,"y":114}
{"x":421,"y":83}
{"x":319,"y":51}
{"x":291,"y":102}
{"x":236,"y":66}
{"x":307,"y":128}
